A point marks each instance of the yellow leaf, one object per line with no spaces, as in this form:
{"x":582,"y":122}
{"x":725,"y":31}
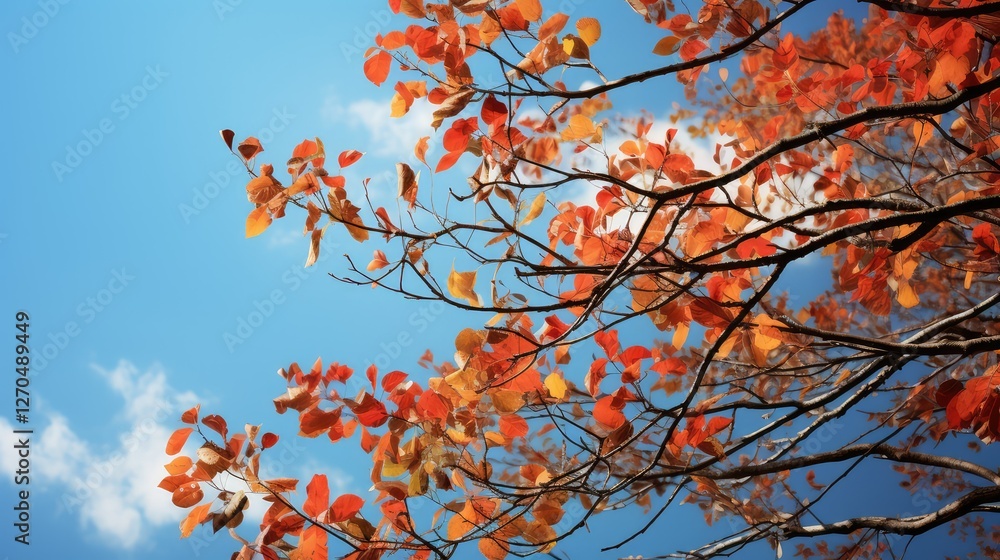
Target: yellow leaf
{"x":589,"y":30}
{"x":398,"y":106}
{"x":556,"y":385}
{"x":576,"y":47}
{"x":766,"y":336}
{"x":462,"y":285}
{"x":537,"y":205}
{"x":530,"y":9}
{"x":392,"y":470}
{"x":666,"y":46}
{"x":418,"y":484}
{"x":579,"y":127}
{"x":907,"y":296}
{"x":257,"y":221}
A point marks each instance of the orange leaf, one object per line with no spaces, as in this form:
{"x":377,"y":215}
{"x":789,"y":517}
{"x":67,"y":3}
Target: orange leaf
{"x":344,"y":508}
{"x":420,"y":150}
{"x":666,"y":46}
{"x":589,"y":30}
{"x":257,"y":221}
{"x":447,"y":161}
{"x":377,"y":67}
{"x":317,"y":496}
{"x":691,"y":48}
{"x":187,"y":495}
{"x":180,"y":465}
{"x":512,"y":426}
{"x":194,"y":518}
{"x":190,"y":416}
{"x":348,"y":157}
{"x":608,"y":411}
{"x":177,"y":440}
{"x":378,"y":261}
{"x":530,"y":9}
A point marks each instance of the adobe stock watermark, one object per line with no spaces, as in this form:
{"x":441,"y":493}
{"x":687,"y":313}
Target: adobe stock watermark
{"x":291,"y":280}
{"x":122,"y":106}
{"x":32,"y":24}
{"x":202,"y":196}
{"x":87,"y":311}
{"x":225,"y":7}
{"x":100,"y":472}
{"x":364,"y":35}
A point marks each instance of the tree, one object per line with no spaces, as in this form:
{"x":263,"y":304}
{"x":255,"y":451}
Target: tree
{"x":638,"y":342}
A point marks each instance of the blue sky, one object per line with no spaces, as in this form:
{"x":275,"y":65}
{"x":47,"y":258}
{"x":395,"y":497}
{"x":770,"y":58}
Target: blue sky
{"x":122,"y":238}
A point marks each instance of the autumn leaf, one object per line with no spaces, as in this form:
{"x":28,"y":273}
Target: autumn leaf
{"x":535,"y":210}
{"x":377,"y":67}
{"x":187,"y":495}
{"x":177,"y":440}
{"x":348,"y":157}
{"x":556,"y":386}
{"x":667,"y":46}
{"x":344,"y":507}
{"x":378,"y":261}
{"x":249,"y":148}
{"x":462,"y":285}
{"x":317,"y":496}
{"x":589,"y":29}
{"x":257,"y":221}
{"x":406,"y":184}
{"x":530,"y":9}
{"x":196,"y":517}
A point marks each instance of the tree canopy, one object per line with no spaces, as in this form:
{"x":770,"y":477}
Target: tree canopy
{"x":637,"y":335}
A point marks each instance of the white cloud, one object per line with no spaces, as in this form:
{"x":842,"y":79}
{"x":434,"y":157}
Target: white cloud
{"x":386,"y":136}
{"x":112,"y":490}
{"x":283,"y":237}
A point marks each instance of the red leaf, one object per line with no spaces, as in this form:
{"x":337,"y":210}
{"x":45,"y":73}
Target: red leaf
{"x":594,"y":377}
{"x":633,"y":354}
{"x":608,"y":340}
{"x":317,"y":496}
{"x":249,"y":148}
{"x":987,"y":245}
{"x":227,"y":137}
{"x":314,"y":421}
{"x":217,"y":423}
{"x":392,"y":379}
{"x":717,"y":424}
{"x":608,"y":411}
{"x":494,"y":112}
{"x":448,"y":161}
{"x":344,"y":508}
{"x":512,"y":426}
{"x":348,"y":157}
{"x":370,"y":411}
{"x":268,"y":440}
{"x":691,"y":48}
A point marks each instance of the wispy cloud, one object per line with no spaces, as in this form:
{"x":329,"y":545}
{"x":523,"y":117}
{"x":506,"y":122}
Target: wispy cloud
{"x":386,"y":136}
{"x":112,"y":491}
